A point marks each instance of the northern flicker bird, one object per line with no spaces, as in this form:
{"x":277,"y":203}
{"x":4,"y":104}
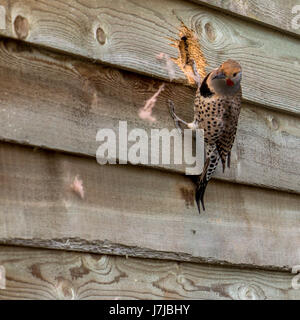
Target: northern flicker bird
{"x":216,"y":110}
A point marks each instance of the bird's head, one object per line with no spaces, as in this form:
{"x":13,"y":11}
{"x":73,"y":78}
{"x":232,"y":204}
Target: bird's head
{"x":226,"y":79}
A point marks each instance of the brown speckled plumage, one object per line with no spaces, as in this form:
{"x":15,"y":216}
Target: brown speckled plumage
{"x":216,"y":110}
{"x":218,"y":117}
{"x":217,"y":114}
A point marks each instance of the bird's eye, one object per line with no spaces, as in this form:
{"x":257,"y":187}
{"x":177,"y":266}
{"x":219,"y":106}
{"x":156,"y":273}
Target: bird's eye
{"x":234,"y":74}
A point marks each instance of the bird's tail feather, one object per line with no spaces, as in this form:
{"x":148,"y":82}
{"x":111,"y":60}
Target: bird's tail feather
{"x":201,"y":181}
{"x":200,"y":191}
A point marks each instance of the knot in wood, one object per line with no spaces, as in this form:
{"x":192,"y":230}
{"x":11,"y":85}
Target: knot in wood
{"x":275,"y":124}
{"x":65,"y":289}
{"x":249,"y":292}
{"x":21,"y":26}
{"x":101,"y":36}
{"x":210,"y":32}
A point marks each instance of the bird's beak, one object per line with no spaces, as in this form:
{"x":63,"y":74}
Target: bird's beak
{"x":219,"y":75}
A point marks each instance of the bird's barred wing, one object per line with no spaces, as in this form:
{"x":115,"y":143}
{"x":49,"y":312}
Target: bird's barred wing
{"x":227,"y":137}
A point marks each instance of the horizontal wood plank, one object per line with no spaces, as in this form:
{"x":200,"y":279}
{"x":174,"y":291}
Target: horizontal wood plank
{"x":130,"y":34}
{"x":274,"y":13}
{"x":50,"y":274}
{"x":49,"y":100}
{"x":135,"y":211}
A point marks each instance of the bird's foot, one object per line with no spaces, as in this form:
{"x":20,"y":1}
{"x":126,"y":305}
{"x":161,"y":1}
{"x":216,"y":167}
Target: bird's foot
{"x":177,"y":120}
{"x":196,"y":74}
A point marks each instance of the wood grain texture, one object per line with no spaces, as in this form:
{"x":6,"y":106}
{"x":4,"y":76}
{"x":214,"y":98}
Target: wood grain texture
{"x":274,"y":13}
{"x":50,"y":274}
{"x":136,"y":211}
{"x":52,"y":101}
{"x":130,"y":34}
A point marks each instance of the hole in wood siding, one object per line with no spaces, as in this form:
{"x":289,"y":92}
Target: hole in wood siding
{"x":189,"y":50}
{"x":21,"y":26}
{"x":101,"y":36}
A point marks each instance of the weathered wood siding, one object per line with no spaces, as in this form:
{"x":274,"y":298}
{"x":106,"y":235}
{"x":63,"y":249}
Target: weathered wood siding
{"x":277,"y":14}
{"x":69,"y":68}
{"x":267,"y":56}
{"x":153,"y":216}
{"x":50,"y":274}
{"x":78,"y":98}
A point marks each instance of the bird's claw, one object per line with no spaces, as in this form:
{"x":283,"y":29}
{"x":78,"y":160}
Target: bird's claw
{"x":174,"y":116}
{"x":196,"y":73}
